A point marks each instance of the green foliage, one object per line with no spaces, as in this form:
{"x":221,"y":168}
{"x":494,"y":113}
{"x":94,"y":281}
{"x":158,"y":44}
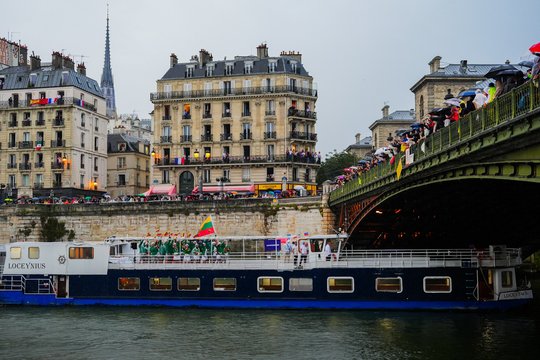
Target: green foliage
{"x":333,"y":166}
{"x":54,"y":230}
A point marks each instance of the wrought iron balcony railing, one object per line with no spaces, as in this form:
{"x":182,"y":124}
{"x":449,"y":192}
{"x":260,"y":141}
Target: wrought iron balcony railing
{"x":173,"y":95}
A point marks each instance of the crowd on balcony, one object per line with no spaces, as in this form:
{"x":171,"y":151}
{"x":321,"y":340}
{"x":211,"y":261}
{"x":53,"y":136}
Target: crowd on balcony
{"x":303,"y":156}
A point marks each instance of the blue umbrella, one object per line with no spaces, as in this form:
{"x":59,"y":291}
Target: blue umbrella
{"x":467,"y":93}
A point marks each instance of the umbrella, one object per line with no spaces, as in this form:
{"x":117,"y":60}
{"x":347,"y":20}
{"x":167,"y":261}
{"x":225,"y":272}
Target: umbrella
{"x":436,"y":111}
{"x":453,"y":101}
{"x":299,"y":188}
{"x":535,"y":49}
{"x":467,"y":93}
{"x":526,"y":63}
{"x":494,"y":71}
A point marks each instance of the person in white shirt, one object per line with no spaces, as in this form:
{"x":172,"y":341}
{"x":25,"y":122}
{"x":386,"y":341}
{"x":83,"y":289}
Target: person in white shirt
{"x":304,"y":250}
{"x":328,"y":251}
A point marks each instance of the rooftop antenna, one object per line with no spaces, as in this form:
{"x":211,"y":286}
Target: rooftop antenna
{"x":10,"y":35}
{"x":82,"y":56}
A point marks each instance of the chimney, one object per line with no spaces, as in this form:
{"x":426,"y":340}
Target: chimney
{"x":204,"y":57}
{"x":262,"y":51}
{"x":507,"y":62}
{"x":357,"y":137}
{"x":68,"y":63}
{"x":56,"y":60}
{"x":35,"y":62}
{"x":411,"y":112}
{"x":174,"y":60}
{"x":463,"y":66}
{"x":81,"y":69}
{"x":435,"y":64}
{"x":292,"y":54}
{"x":385,"y":111}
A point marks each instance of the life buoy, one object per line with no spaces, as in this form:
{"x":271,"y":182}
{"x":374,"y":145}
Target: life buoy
{"x":62,"y":259}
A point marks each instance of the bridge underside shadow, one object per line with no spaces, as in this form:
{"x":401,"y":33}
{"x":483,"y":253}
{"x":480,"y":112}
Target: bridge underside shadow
{"x":455,"y":214}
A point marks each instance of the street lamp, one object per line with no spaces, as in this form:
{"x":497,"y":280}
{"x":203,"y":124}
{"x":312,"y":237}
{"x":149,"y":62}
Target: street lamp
{"x":196,"y":155}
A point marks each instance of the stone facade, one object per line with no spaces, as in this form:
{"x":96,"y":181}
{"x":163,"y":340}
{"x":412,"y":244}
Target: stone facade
{"x":386,"y":127}
{"x":54,"y":129}
{"x":97,"y":222}
{"x":242,"y":116}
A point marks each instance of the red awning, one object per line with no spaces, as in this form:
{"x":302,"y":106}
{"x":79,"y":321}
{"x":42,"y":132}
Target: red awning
{"x":226,"y":188}
{"x":161,"y":189}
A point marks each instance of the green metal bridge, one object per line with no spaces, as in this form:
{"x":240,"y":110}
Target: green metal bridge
{"x":475,"y":182}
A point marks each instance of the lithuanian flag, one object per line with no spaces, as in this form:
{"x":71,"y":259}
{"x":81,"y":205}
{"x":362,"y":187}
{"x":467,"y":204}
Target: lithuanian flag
{"x":207,"y":228}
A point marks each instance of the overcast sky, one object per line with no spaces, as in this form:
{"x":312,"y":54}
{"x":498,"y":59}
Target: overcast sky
{"x":362,"y":54}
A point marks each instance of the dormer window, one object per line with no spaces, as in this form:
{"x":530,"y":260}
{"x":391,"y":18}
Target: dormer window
{"x":189,"y":71}
{"x":122,"y":147}
{"x":210,"y":69}
{"x":229,"y":67}
{"x":272,"y":65}
{"x":248,"y":67}
{"x":293,"y":66}
{"x":33,"y":78}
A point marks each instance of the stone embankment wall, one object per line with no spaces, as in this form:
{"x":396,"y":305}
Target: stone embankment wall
{"x":95,"y":222}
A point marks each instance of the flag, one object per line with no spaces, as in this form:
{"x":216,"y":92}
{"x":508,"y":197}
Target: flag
{"x":306,"y":234}
{"x":207,"y":228}
{"x":399,"y":168}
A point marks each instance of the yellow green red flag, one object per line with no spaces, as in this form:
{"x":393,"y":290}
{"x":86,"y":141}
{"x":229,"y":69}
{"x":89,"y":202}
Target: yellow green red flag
{"x":207,"y":228}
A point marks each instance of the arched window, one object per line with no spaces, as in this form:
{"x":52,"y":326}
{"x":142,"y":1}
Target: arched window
{"x":421,"y":106}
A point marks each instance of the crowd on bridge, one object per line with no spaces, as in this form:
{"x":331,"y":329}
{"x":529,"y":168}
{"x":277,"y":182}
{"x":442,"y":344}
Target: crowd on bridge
{"x":500,"y":80}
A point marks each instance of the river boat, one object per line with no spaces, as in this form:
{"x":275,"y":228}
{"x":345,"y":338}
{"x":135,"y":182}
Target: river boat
{"x":259,"y":272}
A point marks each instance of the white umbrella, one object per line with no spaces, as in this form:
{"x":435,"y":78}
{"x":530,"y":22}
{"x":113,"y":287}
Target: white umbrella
{"x":380,"y":151}
{"x":299,"y":188}
{"x":453,"y":101}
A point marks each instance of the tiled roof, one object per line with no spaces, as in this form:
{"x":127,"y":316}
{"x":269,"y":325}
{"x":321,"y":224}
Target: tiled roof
{"x":402,"y":115}
{"x":260,"y":66}
{"x":113,"y":140}
{"x":18,"y":77}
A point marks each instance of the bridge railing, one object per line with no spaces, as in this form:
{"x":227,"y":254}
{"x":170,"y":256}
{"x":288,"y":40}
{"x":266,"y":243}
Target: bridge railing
{"x":519,"y":101}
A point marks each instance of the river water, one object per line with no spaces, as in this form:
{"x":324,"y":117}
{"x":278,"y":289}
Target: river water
{"x":164,"y":333}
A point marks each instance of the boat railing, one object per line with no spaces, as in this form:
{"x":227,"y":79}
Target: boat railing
{"x":28,"y":285}
{"x":469,"y":258}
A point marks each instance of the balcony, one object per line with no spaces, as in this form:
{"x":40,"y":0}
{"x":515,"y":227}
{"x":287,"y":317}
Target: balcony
{"x":225,"y":137}
{"x":226,"y":115}
{"x":58,"y":121}
{"x":166,"y":117}
{"x":58,"y":143}
{"x":252,"y":159}
{"x":304,"y":114}
{"x":40,"y":122}
{"x":12,"y":165}
{"x":57,"y":165}
{"x":38,"y":165}
{"x":27,"y":122}
{"x":268,"y":135}
{"x":207,"y":115}
{"x":12,"y":144}
{"x":246,"y":135}
{"x":270,"y":113}
{"x":25,"y":166}
{"x":241,"y":91}
{"x":185,"y":138}
{"x":38,"y":185}
{"x":57,"y":184}
{"x":26,"y":144}
{"x":207,"y":137}
{"x":186,"y":116}
{"x":165,"y":139}
{"x":246,"y":113}
{"x":13,"y":123}
{"x":300,"y":135}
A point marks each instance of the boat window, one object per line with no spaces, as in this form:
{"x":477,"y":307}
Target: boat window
{"x":129,"y":283}
{"x":507,"y":279}
{"x":15,"y":252}
{"x":33,"y":252}
{"x":81,"y":252}
{"x":437,"y":284}
{"x":300,"y":284}
{"x":389,"y":285}
{"x":224,"y":284}
{"x":189,"y":284}
{"x":270,"y":284}
{"x":161,"y":284}
{"x":340,"y":284}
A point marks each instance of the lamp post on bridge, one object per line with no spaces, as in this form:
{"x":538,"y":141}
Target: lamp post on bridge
{"x":200,"y":169}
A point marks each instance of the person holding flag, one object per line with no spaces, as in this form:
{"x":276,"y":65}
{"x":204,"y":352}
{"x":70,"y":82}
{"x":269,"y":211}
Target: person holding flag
{"x":207,"y":228}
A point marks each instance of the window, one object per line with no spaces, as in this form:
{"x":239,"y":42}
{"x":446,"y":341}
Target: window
{"x":33,"y":252}
{"x":82,"y":161}
{"x":121,"y":162}
{"x":161,"y":284}
{"x":210,"y":70}
{"x":389,"y":285}
{"x":83,"y":122}
{"x":272,"y":65}
{"x":165,"y":177}
{"x":129,"y":284}
{"x":293,"y":66}
{"x":207,"y":88}
{"x":224,"y":284}
{"x":122,"y":180}
{"x":270,"y":107}
{"x":507,"y":279}
{"x":437,"y":284}
{"x":340,"y":284}
{"x":248,"y":67}
{"x":270,"y":284}
{"x":229,"y":67}
{"x":189,"y":284}
{"x":26,"y":180}
{"x":15,"y":252}
{"x":246,"y":174}
{"x":81,"y":252}
{"x":189,"y":71}
{"x":300,"y":284}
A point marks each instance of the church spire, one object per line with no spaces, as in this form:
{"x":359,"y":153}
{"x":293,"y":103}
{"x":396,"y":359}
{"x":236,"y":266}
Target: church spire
{"x":107,"y":83}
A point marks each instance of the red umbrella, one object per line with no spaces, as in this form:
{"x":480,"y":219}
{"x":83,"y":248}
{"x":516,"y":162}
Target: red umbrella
{"x":535,"y":49}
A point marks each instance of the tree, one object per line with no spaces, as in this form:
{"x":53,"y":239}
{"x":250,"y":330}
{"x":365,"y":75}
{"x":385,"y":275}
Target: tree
{"x":53,"y":230}
{"x":334,"y":164}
